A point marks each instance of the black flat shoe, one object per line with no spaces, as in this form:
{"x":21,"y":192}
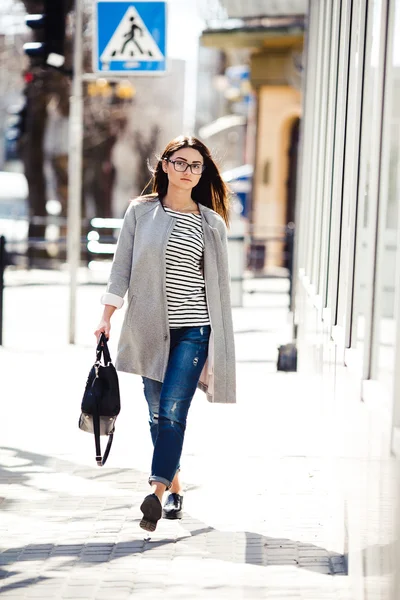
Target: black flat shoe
{"x":151,"y":509}
{"x":173,"y":507}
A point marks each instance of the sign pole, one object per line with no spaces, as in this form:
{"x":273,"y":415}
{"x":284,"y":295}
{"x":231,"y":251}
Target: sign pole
{"x":75,"y":172}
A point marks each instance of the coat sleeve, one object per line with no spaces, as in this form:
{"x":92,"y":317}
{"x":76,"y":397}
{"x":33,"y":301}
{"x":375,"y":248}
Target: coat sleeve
{"x":118,"y":282}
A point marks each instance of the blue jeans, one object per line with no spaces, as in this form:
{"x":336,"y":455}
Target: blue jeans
{"x":169,"y":401}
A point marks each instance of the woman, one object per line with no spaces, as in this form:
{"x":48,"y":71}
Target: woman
{"x":171,"y":258}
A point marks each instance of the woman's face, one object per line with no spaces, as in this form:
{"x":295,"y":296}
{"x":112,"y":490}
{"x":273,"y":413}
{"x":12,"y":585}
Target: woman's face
{"x":179,"y":173}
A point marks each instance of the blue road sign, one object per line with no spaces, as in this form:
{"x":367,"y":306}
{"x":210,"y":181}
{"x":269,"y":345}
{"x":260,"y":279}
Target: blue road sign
{"x":130,"y":37}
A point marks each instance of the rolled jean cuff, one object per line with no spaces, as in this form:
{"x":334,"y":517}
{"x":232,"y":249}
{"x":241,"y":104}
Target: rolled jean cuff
{"x":156,"y":479}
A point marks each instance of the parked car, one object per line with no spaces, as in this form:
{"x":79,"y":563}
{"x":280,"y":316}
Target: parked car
{"x":239,"y":181}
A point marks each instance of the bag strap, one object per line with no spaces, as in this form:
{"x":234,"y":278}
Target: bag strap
{"x":107,"y":450}
{"x":102,"y":348}
{"x":96,"y":429}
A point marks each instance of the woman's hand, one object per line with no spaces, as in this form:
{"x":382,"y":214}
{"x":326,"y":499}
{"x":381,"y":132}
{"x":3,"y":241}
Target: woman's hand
{"x":103,"y":327}
{"x":105,"y":324}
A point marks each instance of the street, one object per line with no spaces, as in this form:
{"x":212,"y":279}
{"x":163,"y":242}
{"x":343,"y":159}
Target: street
{"x":263,"y":517}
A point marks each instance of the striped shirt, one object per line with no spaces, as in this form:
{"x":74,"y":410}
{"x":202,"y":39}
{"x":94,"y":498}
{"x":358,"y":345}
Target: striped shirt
{"x":186,"y":295}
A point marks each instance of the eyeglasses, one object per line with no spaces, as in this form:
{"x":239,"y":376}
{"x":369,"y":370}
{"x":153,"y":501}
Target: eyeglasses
{"x":181,"y":166}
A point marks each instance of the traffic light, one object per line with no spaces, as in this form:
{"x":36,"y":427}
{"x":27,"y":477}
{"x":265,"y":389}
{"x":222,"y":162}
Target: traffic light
{"x":49,"y":27}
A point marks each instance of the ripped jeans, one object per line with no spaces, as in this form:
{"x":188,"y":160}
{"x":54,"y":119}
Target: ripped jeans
{"x":169,"y":401}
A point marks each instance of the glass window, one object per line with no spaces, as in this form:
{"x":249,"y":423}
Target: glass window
{"x":368,"y":181}
{"x":338,"y":159}
{"x":321,"y":147}
{"x":351,"y":158}
{"x":308,"y":128}
{"x":387,"y":285}
{"x":326,"y":194}
{"x":317,"y":90}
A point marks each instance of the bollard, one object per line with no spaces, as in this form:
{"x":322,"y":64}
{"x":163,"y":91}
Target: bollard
{"x":2,"y":267}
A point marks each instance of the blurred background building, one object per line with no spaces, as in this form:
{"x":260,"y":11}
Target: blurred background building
{"x":249,"y":109}
{"x":234,"y":79}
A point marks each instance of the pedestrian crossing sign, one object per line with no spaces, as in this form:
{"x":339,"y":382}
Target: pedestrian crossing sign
{"x":130,"y":37}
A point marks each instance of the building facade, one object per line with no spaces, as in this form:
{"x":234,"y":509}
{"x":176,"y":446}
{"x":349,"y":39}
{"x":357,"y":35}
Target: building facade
{"x":271,"y":34}
{"x":347,"y":265}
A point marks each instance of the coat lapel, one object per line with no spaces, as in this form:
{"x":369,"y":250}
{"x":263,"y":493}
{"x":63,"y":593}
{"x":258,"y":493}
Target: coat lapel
{"x":161,"y":217}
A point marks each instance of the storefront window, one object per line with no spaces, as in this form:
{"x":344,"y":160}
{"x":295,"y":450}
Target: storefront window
{"x":387,"y":285}
{"x":329,"y":143}
{"x":350,"y":159}
{"x":368,"y":179}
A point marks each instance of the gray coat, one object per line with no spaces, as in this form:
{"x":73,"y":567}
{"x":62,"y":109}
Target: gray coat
{"x":139,"y":269}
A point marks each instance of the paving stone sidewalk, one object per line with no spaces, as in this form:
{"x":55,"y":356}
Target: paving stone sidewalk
{"x":262,"y":519}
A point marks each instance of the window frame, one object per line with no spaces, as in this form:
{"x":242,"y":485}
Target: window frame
{"x":321,"y":146}
{"x":333,"y":266}
{"x":314,"y":146}
{"x":352,"y":163}
{"x":330,"y":149}
{"x":308,"y":127}
{"x":383,"y":188}
{"x":370,"y":148}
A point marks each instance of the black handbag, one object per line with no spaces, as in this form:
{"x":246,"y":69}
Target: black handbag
{"x":101,"y":400}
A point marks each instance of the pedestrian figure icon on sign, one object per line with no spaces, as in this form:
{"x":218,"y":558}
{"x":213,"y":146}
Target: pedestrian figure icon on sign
{"x":131,"y":40}
{"x":130,"y":35}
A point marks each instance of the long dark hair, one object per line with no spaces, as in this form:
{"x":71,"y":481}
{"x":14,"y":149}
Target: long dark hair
{"x":211,"y":189}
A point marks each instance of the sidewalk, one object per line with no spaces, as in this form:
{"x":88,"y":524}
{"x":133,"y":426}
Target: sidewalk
{"x":261,"y":516}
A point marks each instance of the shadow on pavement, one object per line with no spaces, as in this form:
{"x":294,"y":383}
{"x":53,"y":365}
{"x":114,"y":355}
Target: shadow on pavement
{"x":189,"y":538}
{"x":234,"y":546}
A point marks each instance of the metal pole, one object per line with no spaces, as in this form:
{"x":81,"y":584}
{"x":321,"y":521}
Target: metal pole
{"x":290,"y":251}
{"x":2,"y":267}
{"x":75,"y":171}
